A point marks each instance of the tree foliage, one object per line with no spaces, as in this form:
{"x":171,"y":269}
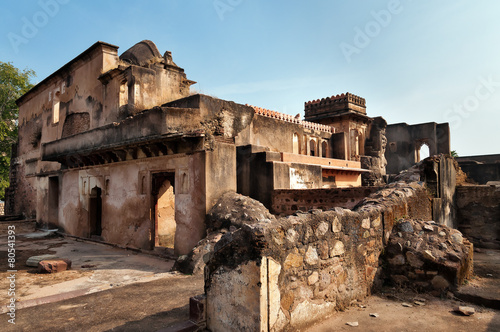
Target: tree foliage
{"x":13,"y":84}
{"x":454,"y":154}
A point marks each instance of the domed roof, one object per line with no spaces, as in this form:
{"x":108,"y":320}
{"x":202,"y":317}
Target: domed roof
{"x":141,"y":53}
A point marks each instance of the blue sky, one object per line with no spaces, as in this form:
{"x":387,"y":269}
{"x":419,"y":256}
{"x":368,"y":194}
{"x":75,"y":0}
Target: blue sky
{"x":413,"y":61}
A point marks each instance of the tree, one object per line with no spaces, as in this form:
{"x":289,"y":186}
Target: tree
{"x":454,"y":154}
{"x":13,"y":84}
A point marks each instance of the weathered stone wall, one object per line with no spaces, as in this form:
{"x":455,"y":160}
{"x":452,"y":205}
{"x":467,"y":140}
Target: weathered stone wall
{"x":440,"y":175}
{"x":288,"y":273}
{"x":290,"y":201}
{"x":478,"y":214}
{"x":374,"y":158}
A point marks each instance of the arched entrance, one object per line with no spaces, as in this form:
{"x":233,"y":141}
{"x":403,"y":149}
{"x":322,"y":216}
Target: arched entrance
{"x":164,"y":209}
{"x":422,"y":152}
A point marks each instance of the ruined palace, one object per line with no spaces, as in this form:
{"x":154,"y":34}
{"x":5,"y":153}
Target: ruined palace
{"x":117,"y":148}
{"x":290,"y":219}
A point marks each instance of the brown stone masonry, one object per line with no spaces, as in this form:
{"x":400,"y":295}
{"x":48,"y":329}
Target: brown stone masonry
{"x":284,"y":274}
{"x":289,"y":201}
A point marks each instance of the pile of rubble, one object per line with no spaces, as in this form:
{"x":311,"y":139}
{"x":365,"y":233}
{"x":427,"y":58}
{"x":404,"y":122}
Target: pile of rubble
{"x":427,"y":256}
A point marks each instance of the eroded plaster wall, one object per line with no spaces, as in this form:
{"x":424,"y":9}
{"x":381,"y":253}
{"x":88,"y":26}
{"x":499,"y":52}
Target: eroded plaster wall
{"x":43,"y":111}
{"x":127,"y":203}
{"x":220,"y":172}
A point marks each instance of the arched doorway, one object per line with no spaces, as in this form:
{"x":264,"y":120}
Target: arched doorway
{"x":95,"y":212}
{"x":164,"y":209}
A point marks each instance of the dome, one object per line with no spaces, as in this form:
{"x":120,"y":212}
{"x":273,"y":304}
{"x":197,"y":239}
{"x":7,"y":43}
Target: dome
{"x":141,"y":53}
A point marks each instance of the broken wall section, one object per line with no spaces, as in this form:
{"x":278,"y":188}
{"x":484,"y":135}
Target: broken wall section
{"x":374,"y":158}
{"x":404,"y":143}
{"x":478,"y":214}
{"x":481,"y":169}
{"x":291,"y":272}
{"x":440,"y":175}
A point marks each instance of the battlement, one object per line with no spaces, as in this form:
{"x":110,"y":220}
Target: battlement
{"x":290,"y":118}
{"x":334,"y":106}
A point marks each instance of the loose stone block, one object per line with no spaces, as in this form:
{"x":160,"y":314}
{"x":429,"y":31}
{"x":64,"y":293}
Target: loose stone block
{"x":34,"y":260}
{"x":54,"y":266}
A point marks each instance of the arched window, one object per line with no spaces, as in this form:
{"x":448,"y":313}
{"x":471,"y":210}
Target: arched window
{"x":312,"y":145}
{"x":296,"y":145}
{"x":422,"y":152}
{"x":324,"y":149}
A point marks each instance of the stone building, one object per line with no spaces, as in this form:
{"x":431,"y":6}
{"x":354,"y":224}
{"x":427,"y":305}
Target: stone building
{"x":405,"y":142}
{"x":117,"y":148}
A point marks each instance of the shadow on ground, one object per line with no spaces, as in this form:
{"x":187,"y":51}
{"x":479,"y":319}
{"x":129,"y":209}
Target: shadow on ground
{"x":155,"y":322}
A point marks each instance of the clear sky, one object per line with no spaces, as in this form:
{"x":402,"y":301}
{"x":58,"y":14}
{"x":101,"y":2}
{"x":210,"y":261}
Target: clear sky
{"x":413,"y":61}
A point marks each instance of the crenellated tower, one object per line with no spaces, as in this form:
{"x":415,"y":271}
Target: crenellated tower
{"x":346,"y":113}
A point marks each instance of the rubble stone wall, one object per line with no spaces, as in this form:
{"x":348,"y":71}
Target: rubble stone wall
{"x":478,"y":214}
{"x":307,"y":265}
{"x":290,"y":201}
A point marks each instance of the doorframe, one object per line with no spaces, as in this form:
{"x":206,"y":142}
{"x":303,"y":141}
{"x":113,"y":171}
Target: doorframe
{"x":157,"y":179}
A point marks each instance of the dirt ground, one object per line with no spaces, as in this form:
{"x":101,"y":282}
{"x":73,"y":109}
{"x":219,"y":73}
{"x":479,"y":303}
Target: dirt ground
{"x":95,"y":267}
{"x":135,"y":292}
{"x":137,"y":307}
{"x":435,"y":315}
